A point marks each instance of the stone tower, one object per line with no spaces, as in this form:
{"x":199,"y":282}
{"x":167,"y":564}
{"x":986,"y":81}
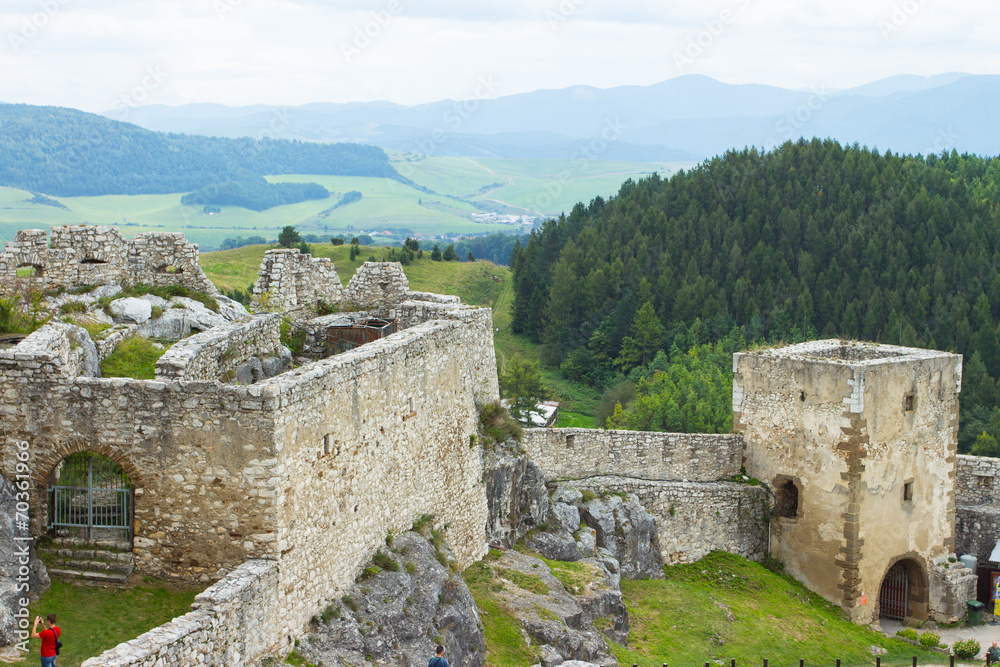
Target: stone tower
{"x":858,"y":442}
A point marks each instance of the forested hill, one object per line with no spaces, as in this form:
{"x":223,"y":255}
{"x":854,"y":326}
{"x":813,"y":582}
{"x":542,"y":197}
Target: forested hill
{"x":65,"y":152}
{"x":841,"y":241}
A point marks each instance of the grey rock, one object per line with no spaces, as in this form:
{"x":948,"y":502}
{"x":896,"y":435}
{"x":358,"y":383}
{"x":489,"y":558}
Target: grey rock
{"x":611,"y":565}
{"x":400,"y":614}
{"x":272,"y":366}
{"x":551,"y":657}
{"x":578,"y":663}
{"x":91,"y":366}
{"x":10,"y":550}
{"x":586,"y":541}
{"x":231,"y":310}
{"x":565,"y":493}
{"x":131,"y":310}
{"x":154,"y":300}
{"x":554,"y":545}
{"x":566,"y":516}
{"x":177,"y":323}
{"x":629,"y":534}
{"x":517,"y":499}
{"x":105,"y":291}
{"x":249,"y":372}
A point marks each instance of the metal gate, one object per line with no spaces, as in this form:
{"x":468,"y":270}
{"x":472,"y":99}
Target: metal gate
{"x":893,"y":597}
{"x":91,"y":499}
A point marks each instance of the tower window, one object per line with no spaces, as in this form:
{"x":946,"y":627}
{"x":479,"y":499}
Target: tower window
{"x":786,"y":497}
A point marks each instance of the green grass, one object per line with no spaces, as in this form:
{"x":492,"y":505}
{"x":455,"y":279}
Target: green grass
{"x":681,"y":620}
{"x":133,"y":358}
{"x":94,"y":620}
{"x":528,"y":582}
{"x":575,"y":420}
{"x":505,"y":642}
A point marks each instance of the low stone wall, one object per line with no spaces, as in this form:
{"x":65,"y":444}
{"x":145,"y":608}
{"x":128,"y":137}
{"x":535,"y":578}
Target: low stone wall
{"x":977,"y":480}
{"x":571,"y":453}
{"x":378,"y":285}
{"x":85,"y":255}
{"x":290,"y":280}
{"x":412,"y":312}
{"x":977,"y":530}
{"x":232,"y":623}
{"x":213,"y":354}
{"x":432,"y":297}
{"x":52,"y":351}
{"x":694,"y":519}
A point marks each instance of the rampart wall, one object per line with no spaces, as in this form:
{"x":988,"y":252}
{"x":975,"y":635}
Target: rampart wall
{"x":212,"y":355}
{"x":231,"y":623}
{"x":84,"y":255}
{"x":569,"y":453}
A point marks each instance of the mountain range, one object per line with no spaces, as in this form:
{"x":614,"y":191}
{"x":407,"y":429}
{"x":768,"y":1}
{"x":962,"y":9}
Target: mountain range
{"x":686,"y":118}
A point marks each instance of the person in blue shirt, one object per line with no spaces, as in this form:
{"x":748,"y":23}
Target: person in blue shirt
{"x":438,"y":660}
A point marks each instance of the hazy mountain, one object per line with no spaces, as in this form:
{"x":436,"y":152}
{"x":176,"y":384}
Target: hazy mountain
{"x":687,"y":118}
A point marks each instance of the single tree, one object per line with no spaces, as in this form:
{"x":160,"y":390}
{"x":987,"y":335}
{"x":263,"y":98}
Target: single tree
{"x":288,"y":237}
{"x":436,"y":253}
{"x":336,"y":240}
{"x":449,"y":253}
{"x":304,"y":248}
{"x":522,"y":385}
{"x":471,"y":257}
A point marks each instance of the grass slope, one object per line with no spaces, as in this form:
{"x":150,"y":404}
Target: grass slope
{"x":724,"y":607}
{"x":94,"y":620}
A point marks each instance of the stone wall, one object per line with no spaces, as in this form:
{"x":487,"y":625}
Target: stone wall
{"x":378,"y":286}
{"x":977,"y":480}
{"x":215,"y":354}
{"x":231,"y":623}
{"x":290,"y":280}
{"x":84,"y":255}
{"x":571,"y":453}
{"x":694,"y":519}
{"x":316,"y":330}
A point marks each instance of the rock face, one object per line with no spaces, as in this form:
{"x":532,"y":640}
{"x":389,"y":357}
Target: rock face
{"x":399,"y":616}
{"x":571,"y":612}
{"x":609,"y":528}
{"x":516,"y":494}
{"x":131,"y":310}
{"x":10,"y":553}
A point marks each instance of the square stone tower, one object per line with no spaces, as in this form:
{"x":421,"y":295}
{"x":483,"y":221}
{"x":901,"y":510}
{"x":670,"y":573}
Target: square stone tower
{"x":858,"y":442}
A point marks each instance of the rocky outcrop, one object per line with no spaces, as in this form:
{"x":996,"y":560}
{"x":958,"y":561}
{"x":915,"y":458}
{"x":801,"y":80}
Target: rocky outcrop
{"x":609,"y":528}
{"x":516,"y":495}
{"x":571,"y":612}
{"x":396,"y":615}
{"x":11,"y":573}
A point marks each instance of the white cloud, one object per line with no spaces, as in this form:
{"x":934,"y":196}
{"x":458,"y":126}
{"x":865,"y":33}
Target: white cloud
{"x":89,"y":53}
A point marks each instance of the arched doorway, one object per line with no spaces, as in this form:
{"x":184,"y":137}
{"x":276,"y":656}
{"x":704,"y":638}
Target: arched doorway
{"x":91,"y":498}
{"x":904,"y":591}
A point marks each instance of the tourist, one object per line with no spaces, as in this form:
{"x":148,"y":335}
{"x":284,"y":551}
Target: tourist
{"x":438,"y":660}
{"x":50,"y":639}
{"x":993,"y":654}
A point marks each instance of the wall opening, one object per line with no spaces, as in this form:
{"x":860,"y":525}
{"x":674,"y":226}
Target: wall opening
{"x":904,"y":591}
{"x":30,"y":271}
{"x":786,"y":497}
{"x":909,"y":402}
{"x":92,"y":260}
{"x":170,"y":269}
{"x":570,"y":441}
{"x":90,"y":498}
{"x":908,"y":491}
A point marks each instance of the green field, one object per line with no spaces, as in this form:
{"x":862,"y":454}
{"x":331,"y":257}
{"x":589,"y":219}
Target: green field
{"x":545,"y":186}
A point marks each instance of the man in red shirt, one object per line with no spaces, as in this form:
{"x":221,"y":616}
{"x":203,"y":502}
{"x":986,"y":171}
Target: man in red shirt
{"x":48,"y":635}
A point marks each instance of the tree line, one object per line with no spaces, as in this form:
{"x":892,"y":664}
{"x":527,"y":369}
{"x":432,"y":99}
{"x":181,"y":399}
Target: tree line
{"x":813,"y":239}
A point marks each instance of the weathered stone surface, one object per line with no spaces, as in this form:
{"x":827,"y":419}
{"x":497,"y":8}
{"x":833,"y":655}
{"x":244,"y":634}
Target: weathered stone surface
{"x":566,"y":516}
{"x":629,"y":534}
{"x":401,"y":615}
{"x":16,"y":548}
{"x":557,"y":544}
{"x":131,"y":310}
{"x":516,"y":496}
{"x":564,"y":620}
{"x":90,"y":364}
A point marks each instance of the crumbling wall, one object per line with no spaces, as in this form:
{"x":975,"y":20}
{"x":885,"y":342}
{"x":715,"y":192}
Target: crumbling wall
{"x":217,"y":353}
{"x":977,"y":480}
{"x":85,"y":255}
{"x":571,"y":453}
{"x":378,"y":286}
{"x":231,"y":623}
{"x":291,"y":280}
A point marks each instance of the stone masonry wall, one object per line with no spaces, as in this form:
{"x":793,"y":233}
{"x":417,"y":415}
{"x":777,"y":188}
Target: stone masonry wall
{"x":694,"y":519}
{"x":977,"y":480}
{"x":212,"y":354}
{"x":372,"y":439}
{"x":232,"y":623}
{"x":378,"y":285}
{"x":85,"y":255}
{"x":291,"y":280}
{"x":570,"y":453}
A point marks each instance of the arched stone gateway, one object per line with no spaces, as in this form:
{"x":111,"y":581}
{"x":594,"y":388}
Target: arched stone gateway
{"x":905,"y":591}
{"x":90,"y":497}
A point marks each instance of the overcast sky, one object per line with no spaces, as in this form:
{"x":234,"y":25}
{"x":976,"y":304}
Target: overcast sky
{"x":99,"y":54}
